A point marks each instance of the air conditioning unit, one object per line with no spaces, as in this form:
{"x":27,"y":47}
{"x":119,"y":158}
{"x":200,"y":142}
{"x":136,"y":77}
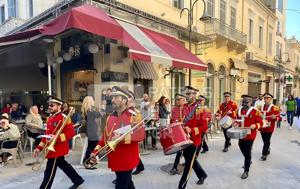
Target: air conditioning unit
{"x":249,"y":56}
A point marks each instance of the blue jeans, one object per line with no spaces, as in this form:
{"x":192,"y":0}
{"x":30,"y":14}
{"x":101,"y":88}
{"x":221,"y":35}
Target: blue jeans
{"x":290,"y":117}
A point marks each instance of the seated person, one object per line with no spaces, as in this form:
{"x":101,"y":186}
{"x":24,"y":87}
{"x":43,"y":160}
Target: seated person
{"x":15,"y":113}
{"x":34,"y":124}
{"x":9,"y":133}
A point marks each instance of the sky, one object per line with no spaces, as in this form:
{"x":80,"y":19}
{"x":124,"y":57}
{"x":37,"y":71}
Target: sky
{"x":293,"y":19}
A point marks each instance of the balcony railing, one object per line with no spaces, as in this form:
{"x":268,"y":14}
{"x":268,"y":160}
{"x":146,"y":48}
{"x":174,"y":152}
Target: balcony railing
{"x":215,"y":27}
{"x":10,"y":24}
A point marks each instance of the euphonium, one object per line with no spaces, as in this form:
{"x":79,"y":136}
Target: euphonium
{"x":37,"y":165}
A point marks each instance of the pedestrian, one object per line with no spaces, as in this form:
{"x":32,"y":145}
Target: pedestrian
{"x":298,"y":107}
{"x":57,"y":158}
{"x":227,"y":108}
{"x":93,"y":125}
{"x":291,"y":107}
{"x":252,"y":120}
{"x":163,"y":111}
{"x":270,"y":115}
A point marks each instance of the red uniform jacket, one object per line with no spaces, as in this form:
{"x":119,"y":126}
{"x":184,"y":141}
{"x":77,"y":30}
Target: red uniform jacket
{"x":225,"y":107}
{"x":178,"y":114}
{"x":62,"y":144}
{"x":254,"y":117}
{"x":126,"y":155}
{"x":273,"y":111}
{"x":197,"y":124}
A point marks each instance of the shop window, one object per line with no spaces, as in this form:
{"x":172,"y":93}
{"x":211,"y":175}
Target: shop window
{"x":178,"y":4}
{"x":2,"y":14}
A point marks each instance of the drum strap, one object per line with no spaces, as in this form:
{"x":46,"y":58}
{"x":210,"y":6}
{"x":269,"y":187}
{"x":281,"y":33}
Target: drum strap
{"x":248,"y":112}
{"x":191,"y":114}
{"x":265,"y":112}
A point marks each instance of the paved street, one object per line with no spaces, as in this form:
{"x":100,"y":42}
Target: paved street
{"x":281,"y":170}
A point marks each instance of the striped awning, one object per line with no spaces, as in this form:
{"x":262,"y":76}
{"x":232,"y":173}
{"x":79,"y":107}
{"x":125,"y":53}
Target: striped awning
{"x":143,"y":70}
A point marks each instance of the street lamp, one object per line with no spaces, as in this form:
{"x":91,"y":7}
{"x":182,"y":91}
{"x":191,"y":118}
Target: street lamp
{"x":204,"y":17}
{"x":281,"y":58}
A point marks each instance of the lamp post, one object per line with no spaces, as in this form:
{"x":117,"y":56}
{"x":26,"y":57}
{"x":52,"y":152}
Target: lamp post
{"x":204,"y":17}
{"x":281,"y":58}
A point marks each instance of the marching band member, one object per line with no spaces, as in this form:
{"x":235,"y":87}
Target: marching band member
{"x":138,"y":116}
{"x":195,"y":126}
{"x":270,"y":114}
{"x":57,"y":158}
{"x":260,"y":102}
{"x":227,"y":108}
{"x":250,"y":117}
{"x":125,"y":157}
{"x":177,"y":115}
{"x":202,"y":100}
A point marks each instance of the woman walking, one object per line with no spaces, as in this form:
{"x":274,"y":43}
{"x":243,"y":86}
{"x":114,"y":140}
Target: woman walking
{"x":93,"y":125}
{"x":290,"y":109}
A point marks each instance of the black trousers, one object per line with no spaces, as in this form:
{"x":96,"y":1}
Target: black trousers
{"x":140,"y":166}
{"x":188,"y":154}
{"x":51,"y":168}
{"x":90,"y":148}
{"x":177,"y":159}
{"x":203,"y":144}
{"x":227,"y":139}
{"x":34,"y":136}
{"x":266,"y":137}
{"x":246,"y":148}
{"x":124,"y":180}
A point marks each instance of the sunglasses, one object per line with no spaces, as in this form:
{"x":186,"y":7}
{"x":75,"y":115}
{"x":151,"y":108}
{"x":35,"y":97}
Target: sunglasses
{"x":51,"y":105}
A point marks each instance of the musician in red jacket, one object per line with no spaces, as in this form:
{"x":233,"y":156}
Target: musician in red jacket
{"x":125,"y":157}
{"x":250,"y":117}
{"x":270,"y":115}
{"x":195,"y":125}
{"x":57,"y":158}
{"x":227,"y":108}
{"x":178,"y":114}
{"x":207,"y":115}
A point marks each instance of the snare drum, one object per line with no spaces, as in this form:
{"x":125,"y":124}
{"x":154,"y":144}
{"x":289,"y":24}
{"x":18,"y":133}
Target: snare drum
{"x":226,"y":122}
{"x":173,"y":138}
{"x":238,"y":133}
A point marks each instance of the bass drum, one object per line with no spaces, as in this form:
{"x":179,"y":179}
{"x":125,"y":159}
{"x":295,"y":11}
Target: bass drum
{"x":173,"y":138}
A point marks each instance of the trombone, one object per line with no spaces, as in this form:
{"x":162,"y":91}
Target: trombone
{"x":110,"y":146}
{"x":47,"y":148}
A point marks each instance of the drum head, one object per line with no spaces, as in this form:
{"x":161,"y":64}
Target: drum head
{"x":177,"y":147}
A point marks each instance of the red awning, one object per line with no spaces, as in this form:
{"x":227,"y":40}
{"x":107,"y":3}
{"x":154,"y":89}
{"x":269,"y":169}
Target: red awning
{"x":144,"y":44}
{"x":85,"y":17}
{"x":151,"y":46}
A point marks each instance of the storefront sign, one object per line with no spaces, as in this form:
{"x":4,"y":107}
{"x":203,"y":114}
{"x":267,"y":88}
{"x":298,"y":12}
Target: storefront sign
{"x":110,"y":76}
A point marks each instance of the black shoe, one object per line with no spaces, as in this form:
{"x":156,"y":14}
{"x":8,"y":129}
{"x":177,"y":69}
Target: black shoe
{"x":201,"y":180}
{"x":174,"y":171}
{"x":90,"y":168}
{"x":263,"y":158}
{"x":203,"y":151}
{"x":225,"y":149}
{"x":136,"y":172}
{"x":74,"y":186}
{"x":244,"y":175}
{"x":114,"y":181}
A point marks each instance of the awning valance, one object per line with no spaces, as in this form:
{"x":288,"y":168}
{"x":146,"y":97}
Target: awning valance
{"x":239,"y":64}
{"x":151,"y":46}
{"x":144,"y":70}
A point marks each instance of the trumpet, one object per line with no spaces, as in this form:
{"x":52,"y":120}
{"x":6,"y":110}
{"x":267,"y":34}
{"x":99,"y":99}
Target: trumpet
{"x":110,"y":146}
{"x":47,"y":148}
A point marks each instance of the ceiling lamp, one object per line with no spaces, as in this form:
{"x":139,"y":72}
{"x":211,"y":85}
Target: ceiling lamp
{"x":41,"y":65}
{"x":67,"y":56}
{"x":93,"y":48}
{"x":59,"y":60}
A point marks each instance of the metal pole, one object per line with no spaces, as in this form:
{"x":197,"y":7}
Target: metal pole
{"x":49,"y":80}
{"x":190,"y":38}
